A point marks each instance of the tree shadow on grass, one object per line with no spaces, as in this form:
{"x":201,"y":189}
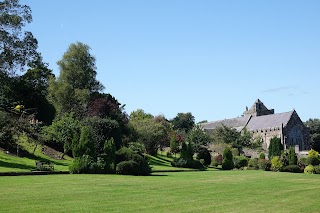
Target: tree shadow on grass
{"x":164,"y":159}
{"x":16,"y":165}
{"x":159,"y":162}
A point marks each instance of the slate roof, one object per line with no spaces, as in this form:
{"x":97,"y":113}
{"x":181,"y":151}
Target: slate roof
{"x":237,"y":123}
{"x":269,"y":121}
{"x":252,"y":123}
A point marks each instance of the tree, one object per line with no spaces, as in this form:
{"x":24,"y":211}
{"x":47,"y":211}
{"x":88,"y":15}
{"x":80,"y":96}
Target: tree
{"x":224,"y":134}
{"x":150,"y":131}
{"x":174,"y":144}
{"x":17,"y":47}
{"x":84,"y":146}
{"x":275,"y":147}
{"x":31,"y":90}
{"x":198,"y":138}
{"x":292,"y":157}
{"x":63,"y":130}
{"x":70,"y":92}
{"x":227,"y":163}
{"x":183,"y":121}
{"x":314,"y":127}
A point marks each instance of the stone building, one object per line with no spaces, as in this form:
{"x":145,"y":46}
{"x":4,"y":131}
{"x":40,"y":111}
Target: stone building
{"x":264,"y":123}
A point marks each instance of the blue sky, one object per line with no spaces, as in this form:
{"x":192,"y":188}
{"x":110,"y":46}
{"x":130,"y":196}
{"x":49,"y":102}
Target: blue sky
{"x":211,"y":58}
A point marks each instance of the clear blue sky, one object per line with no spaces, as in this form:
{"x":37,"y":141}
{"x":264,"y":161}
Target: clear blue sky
{"x":211,"y":58}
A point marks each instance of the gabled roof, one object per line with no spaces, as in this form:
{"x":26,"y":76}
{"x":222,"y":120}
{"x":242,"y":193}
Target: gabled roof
{"x":237,"y":123}
{"x":269,"y":121}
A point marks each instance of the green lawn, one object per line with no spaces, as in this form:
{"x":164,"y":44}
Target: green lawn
{"x":12,"y":163}
{"x":210,"y":191}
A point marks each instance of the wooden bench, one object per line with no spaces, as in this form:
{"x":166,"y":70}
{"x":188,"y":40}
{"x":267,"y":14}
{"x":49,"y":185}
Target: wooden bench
{"x":44,"y":166}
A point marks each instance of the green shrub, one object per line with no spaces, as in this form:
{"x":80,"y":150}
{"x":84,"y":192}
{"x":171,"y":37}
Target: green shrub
{"x":240,"y":161}
{"x":227,"y":163}
{"x":262,"y":156}
{"x":253,"y":163}
{"x":214,"y":162}
{"x":313,"y":153}
{"x":187,"y":163}
{"x":202,"y":161}
{"x":235,"y":152}
{"x":124,"y":154}
{"x":137,"y":147}
{"x":169,"y":155}
{"x":127,"y":168}
{"x":144,"y":168}
{"x":110,"y":150}
{"x":316,"y":169}
{"x":81,"y":165}
{"x":264,"y":164}
{"x":309,"y":169}
{"x":205,"y":155}
{"x":291,"y":168}
{"x":276,"y":163}
{"x":302,"y":163}
{"x":312,"y":160}
{"x":292,"y":156}
{"x":275,"y":147}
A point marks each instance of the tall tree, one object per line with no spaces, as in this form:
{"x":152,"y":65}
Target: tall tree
{"x":314,"y":127}
{"x":183,"y":121}
{"x":70,"y":92}
{"x":17,"y":47}
{"x":275,"y":147}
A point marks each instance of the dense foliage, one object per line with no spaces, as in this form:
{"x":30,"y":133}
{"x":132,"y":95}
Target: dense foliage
{"x":275,"y":147}
{"x":227,"y":163}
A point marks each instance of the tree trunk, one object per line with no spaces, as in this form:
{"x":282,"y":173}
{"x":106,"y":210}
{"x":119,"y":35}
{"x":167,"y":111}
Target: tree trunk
{"x":34,"y":149}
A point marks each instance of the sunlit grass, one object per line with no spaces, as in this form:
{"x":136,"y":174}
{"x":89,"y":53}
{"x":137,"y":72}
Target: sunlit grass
{"x":210,"y":191}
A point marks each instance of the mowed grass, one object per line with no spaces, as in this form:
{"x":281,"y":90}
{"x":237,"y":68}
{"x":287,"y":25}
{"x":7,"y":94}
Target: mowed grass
{"x":12,"y":163}
{"x":209,"y":191}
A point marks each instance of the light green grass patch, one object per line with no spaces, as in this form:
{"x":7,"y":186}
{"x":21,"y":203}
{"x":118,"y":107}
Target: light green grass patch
{"x":209,"y":191}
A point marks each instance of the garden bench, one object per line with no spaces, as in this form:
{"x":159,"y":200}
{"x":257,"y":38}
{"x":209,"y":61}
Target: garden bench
{"x":44,"y":166}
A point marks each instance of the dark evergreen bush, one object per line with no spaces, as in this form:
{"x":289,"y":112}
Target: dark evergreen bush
{"x":205,"y":155}
{"x":127,"y":168}
{"x":275,"y":147}
{"x":227,"y":163}
{"x":187,"y":163}
{"x":240,"y":161}
{"x":293,"y":160}
{"x":292,"y":168}
{"x":262,"y":156}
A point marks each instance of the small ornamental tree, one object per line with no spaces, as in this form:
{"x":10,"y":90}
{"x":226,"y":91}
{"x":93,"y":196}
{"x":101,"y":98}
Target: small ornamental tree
{"x":227,"y":163}
{"x":110,"y":150}
{"x":174,"y":145}
{"x":275,"y":147}
{"x":292,"y":157}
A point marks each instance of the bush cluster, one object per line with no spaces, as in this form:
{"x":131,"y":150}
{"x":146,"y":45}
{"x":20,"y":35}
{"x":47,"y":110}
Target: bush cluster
{"x":204,"y":154}
{"x":227,"y":163}
{"x":309,"y":169}
{"x":187,"y":163}
{"x":292,"y":168}
{"x":253,"y":164}
{"x":264,"y":164}
{"x":240,"y":162}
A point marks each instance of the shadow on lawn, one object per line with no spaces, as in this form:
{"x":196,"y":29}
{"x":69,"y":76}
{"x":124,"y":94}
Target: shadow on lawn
{"x":164,"y":159}
{"x":16,"y":165}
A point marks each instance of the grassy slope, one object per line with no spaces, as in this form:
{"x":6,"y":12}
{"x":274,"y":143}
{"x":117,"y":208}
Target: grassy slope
{"x":11,"y":163}
{"x":162,"y":162}
{"x":211,"y":191}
